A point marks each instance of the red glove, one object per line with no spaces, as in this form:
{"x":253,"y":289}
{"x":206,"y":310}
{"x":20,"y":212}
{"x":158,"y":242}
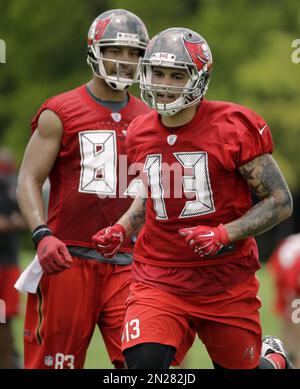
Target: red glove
{"x":108,"y":240}
{"x":205,"y":240}
{"x":53,"y":255}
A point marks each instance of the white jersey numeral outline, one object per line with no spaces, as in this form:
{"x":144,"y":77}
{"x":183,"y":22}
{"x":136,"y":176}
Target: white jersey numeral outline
{"x":153,"y":169}
{"x":197,"y":183}
{"x":98,"y":151}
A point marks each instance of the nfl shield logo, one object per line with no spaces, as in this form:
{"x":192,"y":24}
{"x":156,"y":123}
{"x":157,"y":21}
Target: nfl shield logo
{"x":48,"y":360}
{"x":116,"y":116}
{"x":171,"y":139}
{"x":249,"y":353}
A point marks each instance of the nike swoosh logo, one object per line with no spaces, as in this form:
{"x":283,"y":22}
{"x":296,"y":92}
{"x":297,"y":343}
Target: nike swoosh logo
{"x":261,"y":130}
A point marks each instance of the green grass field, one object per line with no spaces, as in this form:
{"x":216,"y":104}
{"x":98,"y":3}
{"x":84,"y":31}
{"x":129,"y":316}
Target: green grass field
{"x":197,"y":357}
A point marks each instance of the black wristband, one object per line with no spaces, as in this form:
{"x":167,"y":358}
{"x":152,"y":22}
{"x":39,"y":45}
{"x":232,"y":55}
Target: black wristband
{"x":39,"y":233}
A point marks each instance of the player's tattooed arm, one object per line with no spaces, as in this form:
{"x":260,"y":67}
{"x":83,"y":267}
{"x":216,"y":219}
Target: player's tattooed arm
{"x":137,"y":215}
{"x":134,"y":218}
{"x":268,"y":184}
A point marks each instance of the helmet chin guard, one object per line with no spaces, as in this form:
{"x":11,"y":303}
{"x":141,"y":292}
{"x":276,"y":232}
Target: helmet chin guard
{"x":115,"y":28}
{"x":182,"y":49}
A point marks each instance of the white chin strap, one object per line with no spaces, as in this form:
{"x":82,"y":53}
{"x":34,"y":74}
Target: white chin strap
{"x":171,"y":109}
{"x":118,"y":83}
{"x":168,"y":112}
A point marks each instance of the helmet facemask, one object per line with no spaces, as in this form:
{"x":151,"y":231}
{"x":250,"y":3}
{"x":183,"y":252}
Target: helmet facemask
{"x":190,"y":94}
{"x":117,"y":81}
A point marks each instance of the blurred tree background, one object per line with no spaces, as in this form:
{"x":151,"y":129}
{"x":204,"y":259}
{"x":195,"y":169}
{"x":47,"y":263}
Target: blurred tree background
{"x":251,"y":41}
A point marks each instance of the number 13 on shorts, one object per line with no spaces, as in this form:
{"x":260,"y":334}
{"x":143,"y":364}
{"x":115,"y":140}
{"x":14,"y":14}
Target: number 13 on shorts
{"x":131,"y":330}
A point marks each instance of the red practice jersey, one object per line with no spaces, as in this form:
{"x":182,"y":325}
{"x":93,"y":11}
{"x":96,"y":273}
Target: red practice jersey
{"x":284,"y":264}
{"x":85,"y":178}
{"x":205,"y":156}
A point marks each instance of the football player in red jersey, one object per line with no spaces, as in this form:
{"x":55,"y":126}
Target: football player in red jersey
{"x":195,"y":258}
{"x":284,"y":266}
{"x":77,"y":138}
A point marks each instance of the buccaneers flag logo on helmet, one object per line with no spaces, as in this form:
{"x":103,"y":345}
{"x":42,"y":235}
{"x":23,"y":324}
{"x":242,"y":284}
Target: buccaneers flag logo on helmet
{"x":199,"y":53}
{"x":97,"y":30}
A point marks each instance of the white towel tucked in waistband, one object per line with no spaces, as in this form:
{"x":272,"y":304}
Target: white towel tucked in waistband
{"x":30,"y":277}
